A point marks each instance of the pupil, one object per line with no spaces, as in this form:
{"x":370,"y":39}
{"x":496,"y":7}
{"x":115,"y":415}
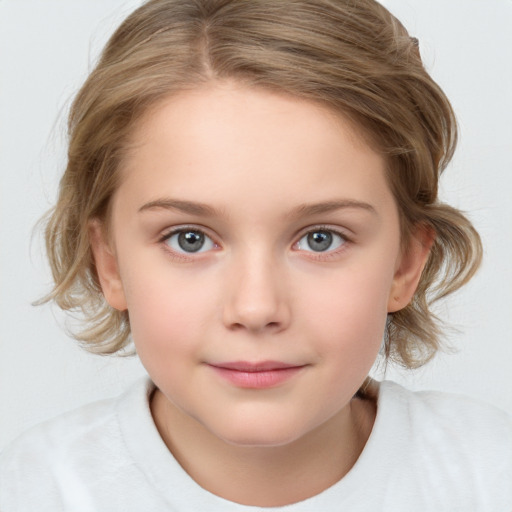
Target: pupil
{"x":191,"y":241}
{"x":320,"y":240}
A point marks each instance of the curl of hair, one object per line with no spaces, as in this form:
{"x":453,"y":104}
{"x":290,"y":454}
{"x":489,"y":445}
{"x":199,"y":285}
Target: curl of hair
{"x":352,"y":56}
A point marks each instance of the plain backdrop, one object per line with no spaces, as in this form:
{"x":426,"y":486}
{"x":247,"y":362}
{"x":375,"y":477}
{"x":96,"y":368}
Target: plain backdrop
{"x":47,"y":48}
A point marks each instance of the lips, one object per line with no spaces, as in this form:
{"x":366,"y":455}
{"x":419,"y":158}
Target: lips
{"x":244,"y":366}
{"x":256,"y":375}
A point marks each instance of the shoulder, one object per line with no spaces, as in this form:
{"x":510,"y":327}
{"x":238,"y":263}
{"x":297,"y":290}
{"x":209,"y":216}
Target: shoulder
{"x":62,"y":433}
{"x":456,"y":443}
{"x":59,"y":434}
{"x":452,"y":414}
{"x":55,"y":455}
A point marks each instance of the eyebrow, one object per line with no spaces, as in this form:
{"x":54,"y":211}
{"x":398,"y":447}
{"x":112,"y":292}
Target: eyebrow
{"x":190,"y":207}
{"x":303,"y":210}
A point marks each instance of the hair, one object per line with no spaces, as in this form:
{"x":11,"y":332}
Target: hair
{"x":351,"y":55}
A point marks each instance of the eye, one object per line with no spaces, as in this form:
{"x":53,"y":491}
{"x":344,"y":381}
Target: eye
{"x":320,"y":240}
{"x":189,"y":241}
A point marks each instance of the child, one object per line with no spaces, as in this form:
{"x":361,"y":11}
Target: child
{"x":251,"y":195}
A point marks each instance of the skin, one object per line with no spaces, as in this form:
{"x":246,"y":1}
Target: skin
{"x":257,"y":290}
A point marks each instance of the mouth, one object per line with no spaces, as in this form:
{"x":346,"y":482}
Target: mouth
{"x":256,"y":375}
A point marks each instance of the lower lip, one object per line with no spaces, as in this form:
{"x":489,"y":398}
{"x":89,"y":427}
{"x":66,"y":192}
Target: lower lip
{"x":259,"y":379}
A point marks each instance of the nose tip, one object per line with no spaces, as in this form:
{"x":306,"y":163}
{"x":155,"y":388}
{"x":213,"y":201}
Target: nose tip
{"x":257,"y":303}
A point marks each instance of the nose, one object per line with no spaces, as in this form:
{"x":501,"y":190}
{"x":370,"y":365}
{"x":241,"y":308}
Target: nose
{"x":256,"y":298}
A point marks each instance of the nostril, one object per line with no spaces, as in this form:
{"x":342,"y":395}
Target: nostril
{"x":269,"y":326}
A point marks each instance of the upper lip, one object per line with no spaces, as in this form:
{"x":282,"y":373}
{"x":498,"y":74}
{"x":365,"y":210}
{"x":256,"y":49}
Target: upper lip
{"x":259,"y":366}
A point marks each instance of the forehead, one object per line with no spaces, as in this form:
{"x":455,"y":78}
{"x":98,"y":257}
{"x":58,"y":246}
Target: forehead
{"x":227,"y":142}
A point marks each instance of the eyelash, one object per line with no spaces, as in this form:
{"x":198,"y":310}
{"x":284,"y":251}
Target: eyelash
{"x":316,"y":255}
{"x":330,"y":253}
{"x":183,"y":256}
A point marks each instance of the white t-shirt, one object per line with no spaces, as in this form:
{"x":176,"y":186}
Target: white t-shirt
{"x":428,"y":451}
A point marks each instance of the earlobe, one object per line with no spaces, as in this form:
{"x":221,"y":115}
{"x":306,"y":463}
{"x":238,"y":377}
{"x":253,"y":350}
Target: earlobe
{"x":410,"y":267}
{"x":106,"y":266}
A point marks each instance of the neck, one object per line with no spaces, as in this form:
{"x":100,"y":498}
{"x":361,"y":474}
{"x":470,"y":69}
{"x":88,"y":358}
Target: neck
{"x":266,"y":476}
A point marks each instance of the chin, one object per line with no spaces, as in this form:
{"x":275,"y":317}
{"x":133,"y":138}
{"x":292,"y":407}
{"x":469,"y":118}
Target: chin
{"x":259,"y":435}
{"x":260,"y":441}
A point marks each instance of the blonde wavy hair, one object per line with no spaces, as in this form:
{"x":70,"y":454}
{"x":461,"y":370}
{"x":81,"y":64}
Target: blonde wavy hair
{"x":353,"y":56}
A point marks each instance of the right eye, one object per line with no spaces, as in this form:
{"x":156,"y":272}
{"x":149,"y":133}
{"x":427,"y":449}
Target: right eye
{"x":189,"y":241}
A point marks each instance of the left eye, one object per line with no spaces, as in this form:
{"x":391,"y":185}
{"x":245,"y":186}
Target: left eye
{"x":320,"y":241}
{"x":189,"y":241}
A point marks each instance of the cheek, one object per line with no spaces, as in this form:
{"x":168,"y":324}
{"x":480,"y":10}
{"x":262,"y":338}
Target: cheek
{"x":350,"y":308}
{"x":167,"y":311}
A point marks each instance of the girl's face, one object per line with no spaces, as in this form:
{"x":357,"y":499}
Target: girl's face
{"x":256,"y":246}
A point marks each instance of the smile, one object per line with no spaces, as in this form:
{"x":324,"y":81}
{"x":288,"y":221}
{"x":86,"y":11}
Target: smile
{"x":259,"y":375}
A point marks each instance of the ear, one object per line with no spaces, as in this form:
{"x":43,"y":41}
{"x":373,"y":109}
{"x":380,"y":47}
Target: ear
{"x":106,"y":266}
{"x":409,"y":267}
